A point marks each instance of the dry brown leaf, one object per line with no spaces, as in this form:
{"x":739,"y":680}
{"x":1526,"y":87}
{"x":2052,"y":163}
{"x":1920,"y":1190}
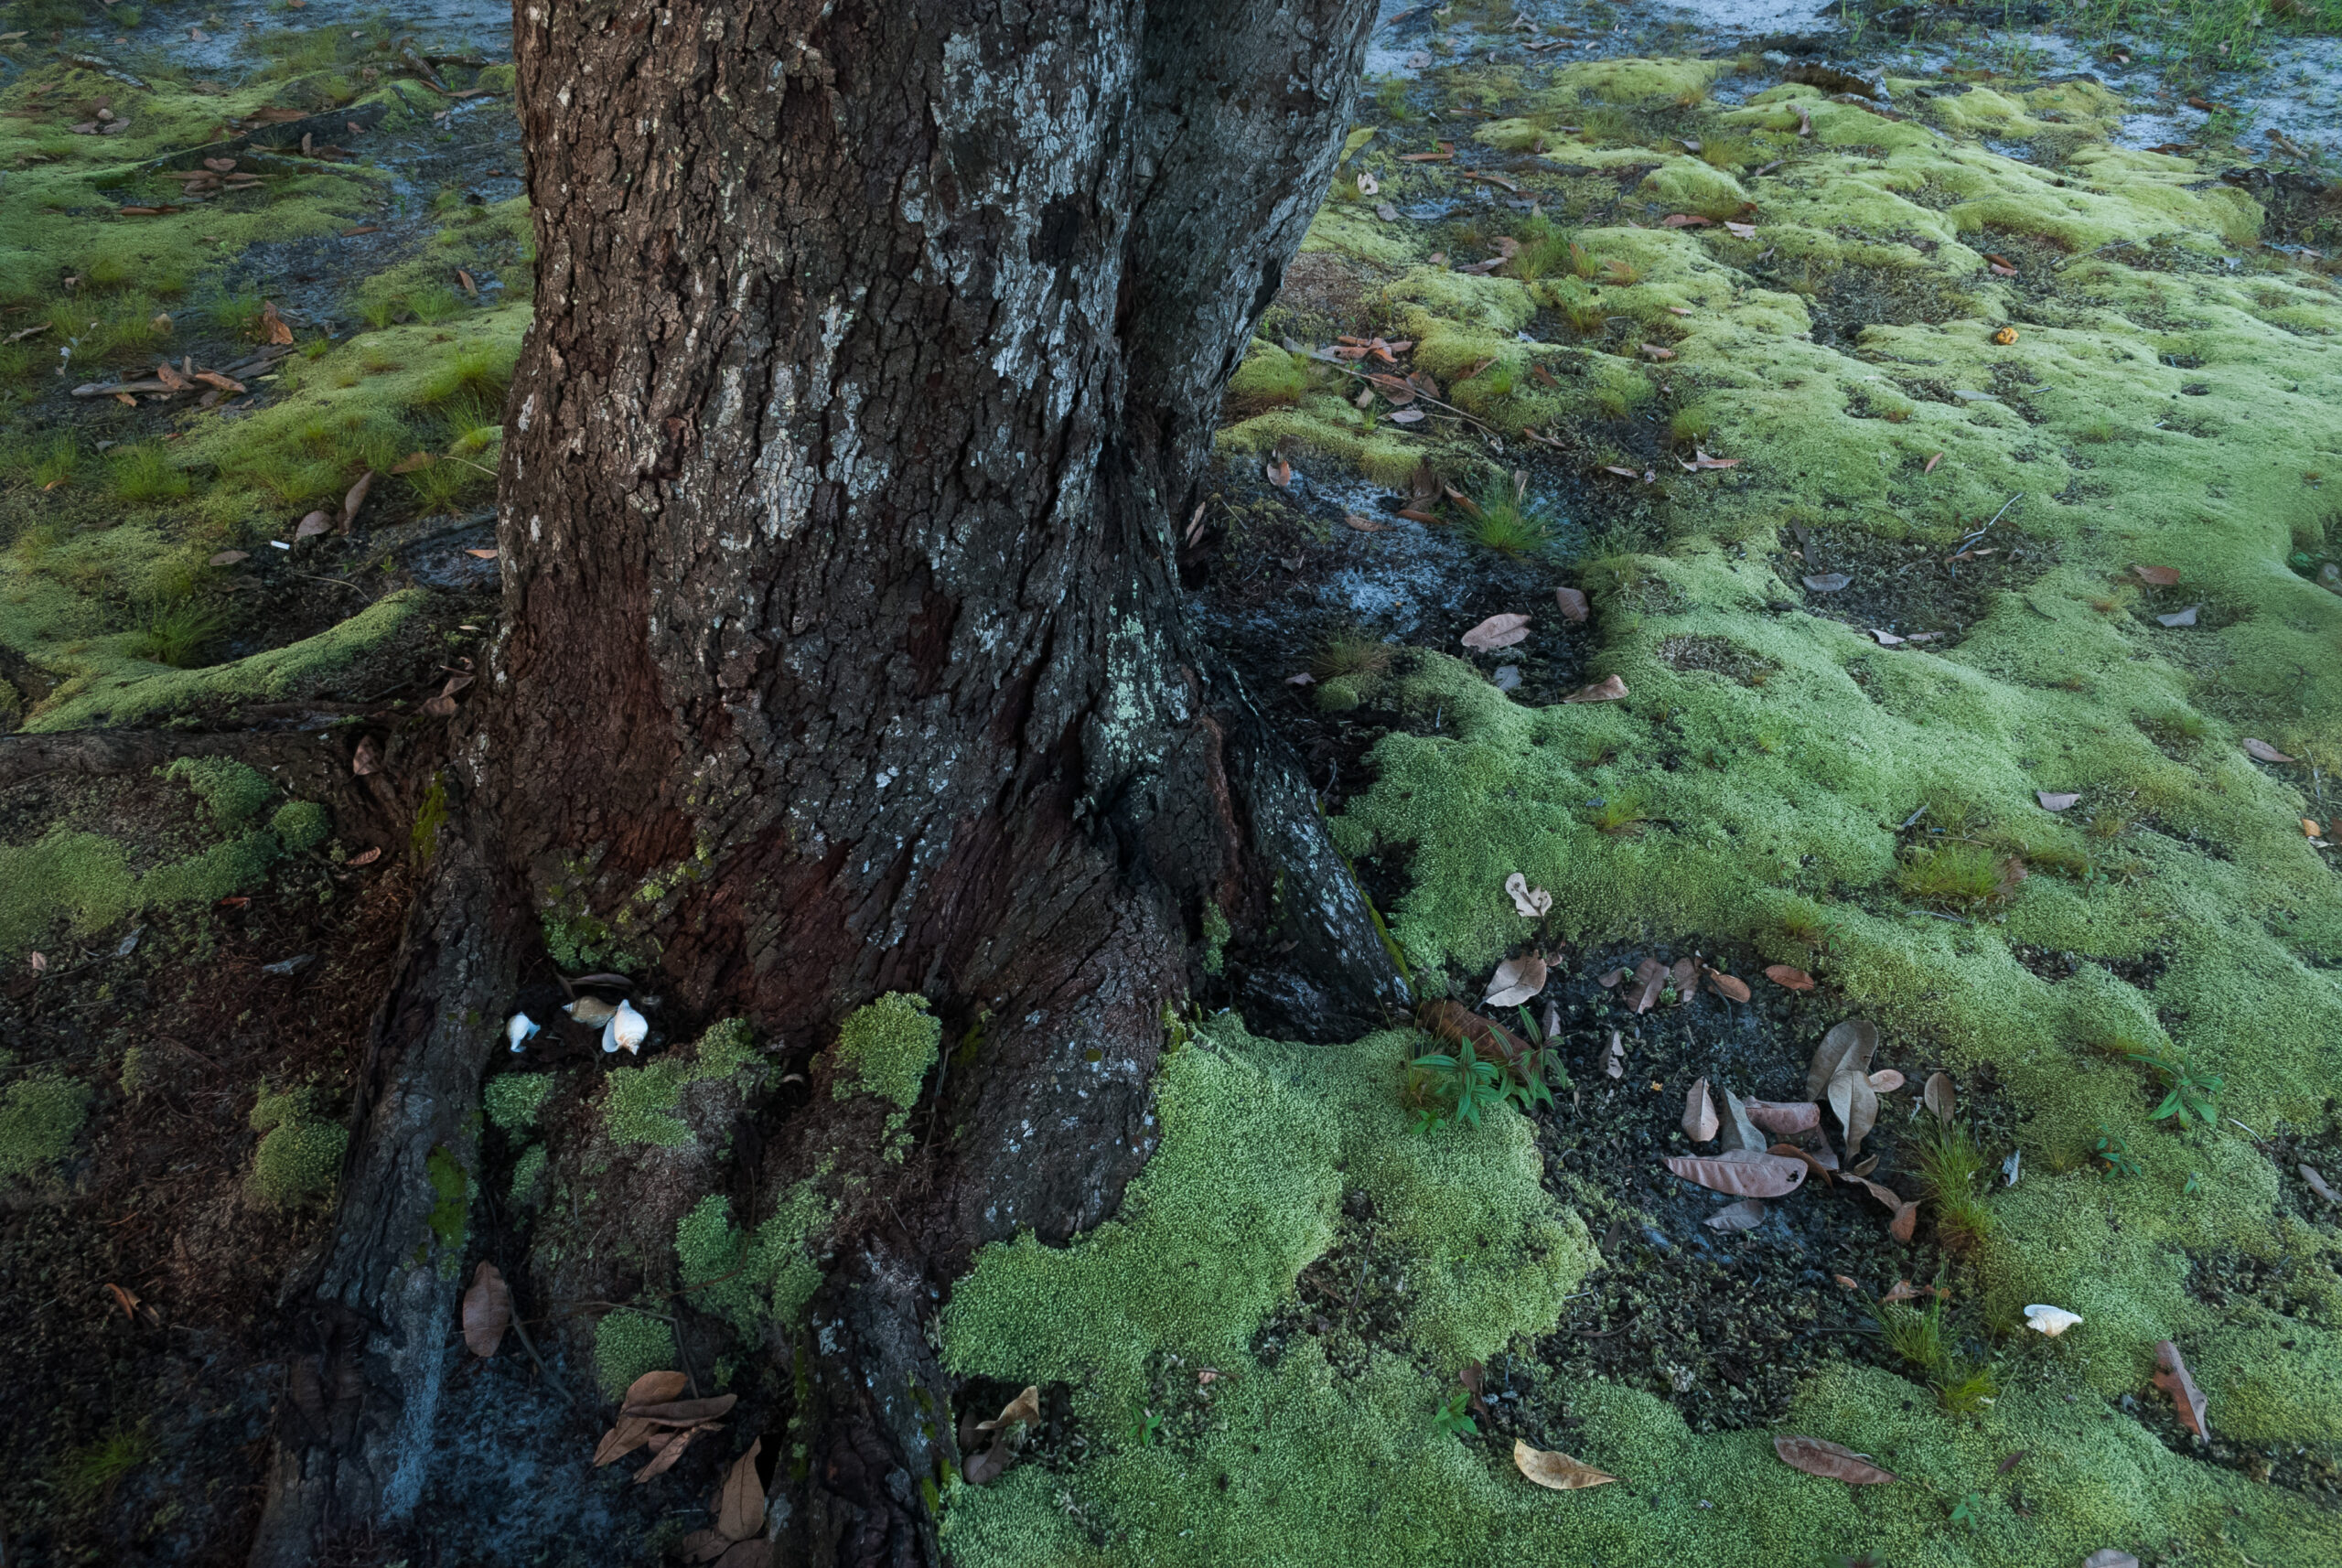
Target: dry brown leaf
{"x":740,"y":1500}
{"x":1938,"y":1096}
{"x":1530,"y":903}
{"x":310,"y":527}
{"x":1745,"y":1215}
{"x":1886,"y":1081}
{"x":2158,"y":576}
{"x":2055,"y":801}
{"x":665,"y":1449}
{"x":1856,"y":1105}
{"x":1902,"y":1292}
{"x":1363,"y":524}
{"x":1738,"y":1131}
{"x":367,"y":759}
{"x":1651,"y":978}
{"x":1496,"y":631}
{"x":1791,"y":979}
{"x":230,"y":558}
{"x":683,"y":1412}
{"x":1555,"y":1472}
{"x":1515,"y":982}
{"x":487,"y":1310}
{"x":1844,"y":1281}
{"x":1852,"y":1041}
{"x":1740,"y":231}
{"x":1787,"y":1118}
{"x":365,"y":856}
{"x":485,"y":555}
{"x":630,"y":1433}
{"x":1885,"y":638}
{"x":413,"y":462}
{"x":1447,"y":1021}
{"x":748,"y":1554}
{"x":1932,"y":460}
{"x":2180,"y":618}
{"x":126,"y":1300}
{"x":654,"y":1387}
{"x":983,"y":1469}
{"x":1742,"y":1173}
{"x":1280,"y":472}
{"x":1791,"y":1151}
{"x":1573,"y":603}
{"x":1700,"y":1122}
{"x":1025,"y":1410}
{"x":702,"y":1546}
{"x":2174,"y":1380}
{"x":1684,"y":974}
{"x":1879,"y":1190}
{"x":1614,"y":1060}
{"x":2316,"y":1180}
{"x":1827,"y":582}
{"x":1832,"y":1461}
{"x":1863,"y":1167}
{"x":1656,"y":351}
{"x":1907,"y":1220}
{"x":1608,"y":690}
{"x":1729,"y":987}
{"x":2265,"y":752}
{"x":1684,"y":220}
{"x":1610,"y":978}
{"x":356,"y":498}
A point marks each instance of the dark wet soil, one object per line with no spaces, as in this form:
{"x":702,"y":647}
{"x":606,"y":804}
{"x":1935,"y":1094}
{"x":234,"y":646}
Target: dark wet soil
{"x":187,"y":1385}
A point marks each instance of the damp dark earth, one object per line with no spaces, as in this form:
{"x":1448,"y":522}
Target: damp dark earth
{"x":1748,"y":528}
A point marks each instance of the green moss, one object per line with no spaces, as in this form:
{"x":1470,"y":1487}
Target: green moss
{"x":299,"y":1161}
{"x":301,"y":826}
{"x":627,"y":1344}
{"x":512,"y":1100}
{"x":1296,"y":1463}
{"x":451,"y":1188}
{"x":39,"y":1116}
{"x":234,"y":793}
{"x":528,"y":1174}
{"x":638,"y":1103}
{"x":748,"y":1280}
{"x":884,"y":1048}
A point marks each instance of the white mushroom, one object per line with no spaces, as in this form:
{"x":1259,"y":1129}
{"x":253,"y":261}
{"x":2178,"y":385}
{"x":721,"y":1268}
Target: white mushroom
{"x":521,"y":1030}
{"x":2050,"y":1320}
{"x":626,"y":1030}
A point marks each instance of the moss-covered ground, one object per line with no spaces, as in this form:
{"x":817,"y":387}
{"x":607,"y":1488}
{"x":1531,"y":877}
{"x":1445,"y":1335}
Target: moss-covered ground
{"x":1969,"y":364}
{"x":141,"y":573}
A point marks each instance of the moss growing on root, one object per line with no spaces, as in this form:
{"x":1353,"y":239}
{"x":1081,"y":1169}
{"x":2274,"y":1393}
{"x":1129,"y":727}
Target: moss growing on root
{"x":299,"y":1161}
{"x":885,"y":1048}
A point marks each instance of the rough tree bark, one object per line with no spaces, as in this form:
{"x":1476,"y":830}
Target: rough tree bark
{"x":877,"y":353}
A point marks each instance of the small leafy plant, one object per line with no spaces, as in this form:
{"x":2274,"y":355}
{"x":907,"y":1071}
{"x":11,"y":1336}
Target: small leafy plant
{"x":1454,"y":1416}
{"x":1146,"y":1426}
{"x":1457,"y":1088}
{"x":2189,"y":1096}
{"x":2113,"y":1154}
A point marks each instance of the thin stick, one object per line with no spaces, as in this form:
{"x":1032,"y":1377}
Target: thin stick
{"x":543,"y":1371}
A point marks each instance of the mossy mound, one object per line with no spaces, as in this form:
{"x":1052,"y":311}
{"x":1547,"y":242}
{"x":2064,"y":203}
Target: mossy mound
{"x":1906,"y":346}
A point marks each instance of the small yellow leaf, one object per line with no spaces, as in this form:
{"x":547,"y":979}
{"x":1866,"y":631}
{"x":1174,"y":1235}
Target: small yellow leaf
{"x":1557,"y":1472}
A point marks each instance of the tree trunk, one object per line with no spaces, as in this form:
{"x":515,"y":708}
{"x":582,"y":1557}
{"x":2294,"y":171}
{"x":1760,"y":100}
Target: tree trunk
{"x":876,"y":356}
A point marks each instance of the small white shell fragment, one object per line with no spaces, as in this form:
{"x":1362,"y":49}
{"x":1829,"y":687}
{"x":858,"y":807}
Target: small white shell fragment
{"x":626,"y":1030}
{"x":2050,"y":1320}
{"x":521,"y":1030}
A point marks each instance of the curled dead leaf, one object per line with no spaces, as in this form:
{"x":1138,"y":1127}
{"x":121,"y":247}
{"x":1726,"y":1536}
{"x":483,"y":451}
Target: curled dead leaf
{"x":310,"y":527}
{"x":1740,"y":231}
{"x":1832,"y":1461}
{"x":1496,"y":631}
{"x":1516,"y":980}
{"x":1614,"y":1060}
{"x":1555,"y":1472}
{"x":1933,"y":458}
{"x":487,"y":1310}
{"x":1731,"y":988}
{"x":1025,"y":1410}
{"x":1610,"y":978}
{"x":1699,"y":1121}
{"x":1742,"y":1173}
{"x":1906,"y":1222}
{"x":683,"y":1412}
{"x":667,"y":1447}
{"x":1739,"y":1132}
{"x":230,"y":558}
{"x":2175,"y":1381}
{"x":1610,"y":689}
{"x":1787,"y":1118}
{"x":1852,"y":1041}
{"x":1938,"y":1096}
{"x":630,"y":1433}
{"x":1783,"y":975}
{"x":1745,"y":1215}
{"x":1530,"y":903}
{"x":1791,"y":1151}
{"x":2055,"y":801}
{"x":1886,"y":1080}
{"x":1827,"y":582}
{"x":367,"y":759}
{"x":740,"y":1501}
{"x":1573,"y":603}
{"x":2316,"y":1180}
{"x":1651,"y":978}
{"x":2262,"y":750}
{"x":2158,"y":576}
